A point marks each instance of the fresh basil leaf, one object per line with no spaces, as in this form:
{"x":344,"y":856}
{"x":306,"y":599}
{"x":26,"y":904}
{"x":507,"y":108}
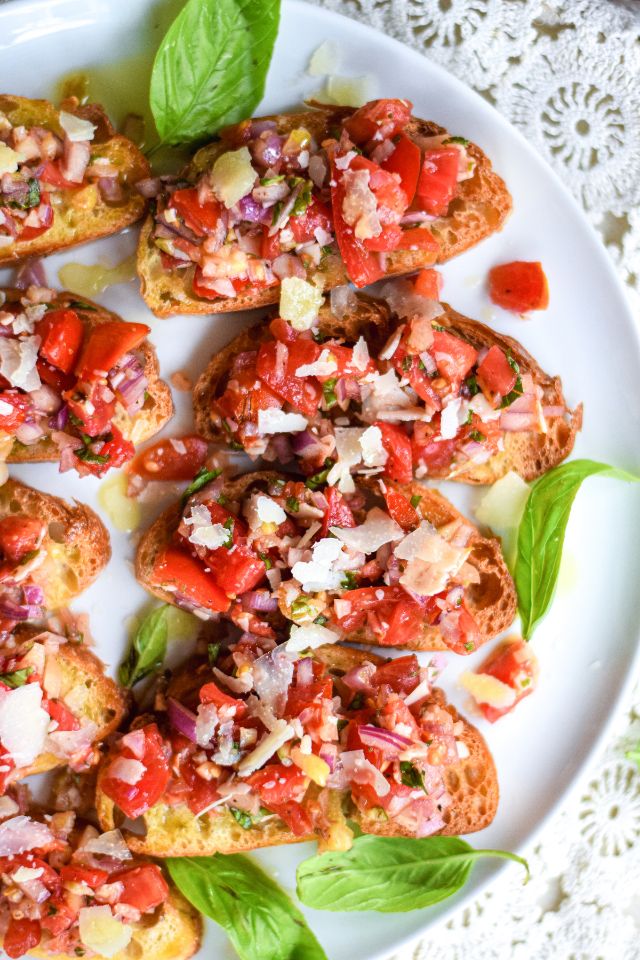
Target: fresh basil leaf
{"x":411,"y":776}
{"x":259,"y":918}
{"x":213,"y":650}
{"x":201,"y":479}
{"x":390,"y":874}
{"x":16,"y":679}
{"x":81,"y":305}
{"x":541,"y":534}
{"x":148,"y":648}
{"x":211,"y":66}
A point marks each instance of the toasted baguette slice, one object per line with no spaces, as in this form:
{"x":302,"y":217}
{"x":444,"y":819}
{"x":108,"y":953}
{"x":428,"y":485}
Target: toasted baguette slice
{"x":173,"y":830}
{"x":158,"y":404}
{"x":80,"y":214}
{"x":529,"y":454}
{"x":76,"y":543}
{"x":480,"y":208}
{"x":492,"y":601}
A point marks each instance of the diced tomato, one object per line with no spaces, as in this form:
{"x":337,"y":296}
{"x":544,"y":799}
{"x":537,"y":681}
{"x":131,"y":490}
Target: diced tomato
{"x":51,"y":174}
{"x":513,"y":663}
{"x":402,"y":674}
{"x":519,"y":286}
{"x":59,"y":918}
{"x":61,"y":382}
{"x":178,"y":568}
{"x":316,"y":216}
{"x":117,"y":452}
{"x":400,"y":510}
{"x":107,"y":343}
{"x":405,"y":161}
{"x":276,"y":366}
{"x":21,"y":404}
{"x":303,"y":696}
{"x":92,"y":876}
{"x":438,"y":179}
{"x":59,"y":712}
{"x":420,"y":238}
{"x":338,"y":512}
{"x":93,"y":412}
{"x":135,"y":799}
{"x":434,"y":454}
{"x":398,"y":447}
{"x":270,"y":247}
{"x":405,"y":624}
{"x":467,"y":638}
{"x":389,"y":239}
{"x":395,"y":712}
{"x":411,"y":368}
{"x":283,"y":331}
{"x":277,"y":784}
{"x":245,"y":394}
{"x":363,"y":266}
{"x":366,"y":599}
{"x":202,"y":218}
{"x":145,"y":888}
{"x":389,"y":117}
{"x":21,"y":936}
{"x":171,"y":459}
{"x":495,"y":375}
{"x":295,"y":816}
{"x":454,"y":357}
{"x":236,"y":572}
{"x":428,"y":283}
{"x":211,"y":693}
{"x":45,"y":215}
{"x":390,"y":197}
{"x":61,"y":333}
{"x":19,"y":535}
{"x":6,"y":760}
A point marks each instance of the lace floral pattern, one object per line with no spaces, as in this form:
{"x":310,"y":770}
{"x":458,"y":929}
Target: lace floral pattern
{"x":567,"y":71}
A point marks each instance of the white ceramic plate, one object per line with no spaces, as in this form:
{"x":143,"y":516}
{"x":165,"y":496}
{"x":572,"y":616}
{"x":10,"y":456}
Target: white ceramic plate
{"x":587,"y":645}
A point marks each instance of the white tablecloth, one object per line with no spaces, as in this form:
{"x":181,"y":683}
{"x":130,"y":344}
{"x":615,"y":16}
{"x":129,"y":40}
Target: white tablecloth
{"x":568,"y":74}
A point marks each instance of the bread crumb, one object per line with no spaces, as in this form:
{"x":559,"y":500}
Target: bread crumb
{"x":181,"y":381}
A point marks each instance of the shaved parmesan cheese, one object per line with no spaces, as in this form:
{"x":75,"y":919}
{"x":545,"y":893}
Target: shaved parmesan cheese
{"x":129,"y":771}
{"x":310,"y":636}
{"x":392,"y":343}
{"x":359,"y":206}
{"x":23,"y":723}
{"x":101,"y":932}
{"x":349,"y":454}
{"x":449,"y":421}
{"x":24,"y":874}
{"x":233,"y":176}
{"x":373,"y":452}
{"x":483,"y":409}
{"x":360,"y":356}
{"x":109,"y":844}
{"x":76,"y":129}
{"x":320,"y":573}
{"x":488,"y":690}
{"x":262,"y":509}
{"x":22,"y":833}
{"x":277,"y":421}
{"x":380,"y":393}
{"x":369,"y":536}
{"x":348,"y":91}
{"x":9,"y":159}
{"x":324,"y":59}
{"x":205,"y":533}
{"x":300,"y":302}
{"x":18,"y":362}
{"x":282,"y":731}
{"x":324,"y":366}
{"x":420,"y":334}
{"x":431,"y":560}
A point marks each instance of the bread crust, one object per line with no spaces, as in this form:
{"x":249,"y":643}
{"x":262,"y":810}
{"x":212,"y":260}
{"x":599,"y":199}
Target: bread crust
{"x":82,"y":215}
{"x":156,"y":411}
{"x":174,"y":831}
{"x":481,"y":207}
{"x":492,"y":601}
{"x":529,"y":454}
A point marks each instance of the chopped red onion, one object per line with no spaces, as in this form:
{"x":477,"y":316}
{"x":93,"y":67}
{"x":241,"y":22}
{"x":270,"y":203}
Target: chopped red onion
{"x":359,"y":678}
{"x":329,"y":753}
{"x":259,"y":600}
{"x":416,"y":216}
{"x":288,"y":265}
{"x":304,"y":674}
{"x":110,"y":189}
{"x":251,"y":209}
{"x":31,"y":274}
{"x":29,"y":433}
{"x":256,"y":127}
{"x":266,"y":149}
{"x":182,"y":719}
{"x":385,"y":740}
{"x":150,"y":187}
{"x":33,"y":593}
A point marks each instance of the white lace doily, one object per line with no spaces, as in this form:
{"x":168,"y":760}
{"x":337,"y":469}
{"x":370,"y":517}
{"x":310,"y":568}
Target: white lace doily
{"x":568,"y":73}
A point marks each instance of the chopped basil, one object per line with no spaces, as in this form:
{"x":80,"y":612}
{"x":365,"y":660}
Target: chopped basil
{"x":471,"y":384}
{"x":88,"y":456}
{"x":229,"y":525}
{"x":277,"y":208}
{"x":326,"y":250}
{"x":318,"y":479}
{"x":31,"y":200}
{"x":16,"y":679}
{"x":341,"y":725}
{"x":349,"y":580}
{"x":357,"y":702}
{"x":266,"y":559}
{"x":329,"y":391}
{"x":222,"y":499}
{"x":201,"y":479}
{"x":302,"y":200}
{"x":461,"y":140}
{"x":267,"y":181}
{"x":244,"y":819}
{"x":76,"y":421}
{"x":406,"y":363}
{"x":517,"y":389}
{"x":292,"y":504}
{"x":415,"y":500}
{"x":81,"y":305}
{"x":301,"y":608}
{"x":321,"y":619}
{"x":410,"y":776}
{"x":477,"y":436}
{"x":213,"y":650}
{"x":470,"y":646}
{"x":436,"y":326}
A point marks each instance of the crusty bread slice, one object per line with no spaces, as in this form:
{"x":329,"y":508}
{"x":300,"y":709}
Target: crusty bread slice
{"x":89,"y":693}
{"x":480,"y":208}
{"x":529,"y":454}
{"x":492,"y":601}
{"x":82,"y":214}
{"x":156,"y":411}
{"x":174,"y":831}
{"x":76,"y":541}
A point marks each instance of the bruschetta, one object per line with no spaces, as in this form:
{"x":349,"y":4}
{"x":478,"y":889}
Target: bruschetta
{"x":65,"y":177}
{"x":68,"y":891}
{"x":329,"y":195}
{"x":386,"y":564}
{"x":396,"y":387}
{"x":269,"y":747}
{"x":79,"y":385}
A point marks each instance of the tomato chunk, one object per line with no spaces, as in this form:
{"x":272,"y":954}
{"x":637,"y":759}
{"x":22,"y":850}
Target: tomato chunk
{"x":338,"y":512}
{"x":92,"y":876}
{"x":134,"y":799}
{"x":519,"y":286}
{"x":514,"y":664}
{"x":278,"y":784}
{"x":21,"y":936}
{"x":454,"y":357}
{"x":398,"y":447}
{"x":236,"y":572}
{"x":145,"y":888}
{"x":178,"y":568}
{"x":428,"y":283}
{"x":51,"y":175}
{"x":495,"y":375}
{"x":316,"y":217}
{"x":405,"y":161}
{"x":420,"y":238}
{"x":19,"y":535}
{"x":114,"y":453}
{"x":386,"y":117}
{"x":276,"y":366}
{"x":177,"y":458}
{"x":202,"y":218}
{"x":107,"y":343}
{"x":61,"y":333}
{"x":20,"y":405}
{"x":363,"y":266}
{"x":402,"y":674}
{"x":64,"y":717}
{"x":211,"y":693}
{"x":438,"y":179}
{"x":401,"y":510}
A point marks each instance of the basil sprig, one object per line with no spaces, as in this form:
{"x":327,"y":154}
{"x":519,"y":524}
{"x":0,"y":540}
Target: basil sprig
{"x":541,"y":534}
{"x":391,"y":874}
{"x":16,"y":679}
{"x":211,"y":66}
{"x":258,"y":917}
{"x":148,"y":648}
